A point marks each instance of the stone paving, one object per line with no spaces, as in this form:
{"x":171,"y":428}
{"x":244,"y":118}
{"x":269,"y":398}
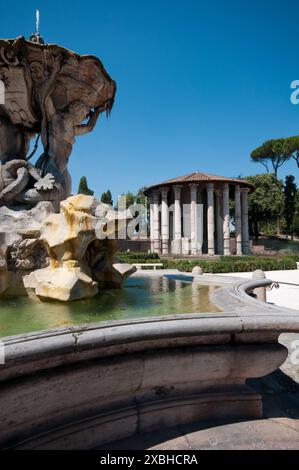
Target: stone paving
{"x":267,"y":434}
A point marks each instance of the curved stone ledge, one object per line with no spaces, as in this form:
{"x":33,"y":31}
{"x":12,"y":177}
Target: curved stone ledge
{"x":236,"y":296}
{"x":81,"y":387}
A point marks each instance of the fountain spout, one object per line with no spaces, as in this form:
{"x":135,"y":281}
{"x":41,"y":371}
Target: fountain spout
{"x":36,"y":37}
{"x":37,"y":21}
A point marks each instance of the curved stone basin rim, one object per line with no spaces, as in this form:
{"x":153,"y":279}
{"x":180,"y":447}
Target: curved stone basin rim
{"x":106,"y":337}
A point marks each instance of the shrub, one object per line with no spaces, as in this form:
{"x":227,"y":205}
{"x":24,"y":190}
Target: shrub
{"x":234,"y":264}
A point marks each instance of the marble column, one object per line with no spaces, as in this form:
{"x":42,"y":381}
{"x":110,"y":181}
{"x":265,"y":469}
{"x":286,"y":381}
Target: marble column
{"x":156,"y":224}
{"x":193,"y":218}
{"x":219,"y":223}
{"x":238,"y":220}
{"x":226,"y":221}
{"x":245,"y":227}
{"x":211,"y":228}
{"x":165,"y":221}
{"x":152,"y":238}
{"x":177,"y":242}
{"x":200,"y":223}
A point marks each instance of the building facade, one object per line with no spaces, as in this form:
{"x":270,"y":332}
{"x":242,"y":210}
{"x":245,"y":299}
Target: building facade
{"x":190,"y":215}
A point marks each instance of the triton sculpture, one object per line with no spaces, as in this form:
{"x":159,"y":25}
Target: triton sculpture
{"x":54,"y":95}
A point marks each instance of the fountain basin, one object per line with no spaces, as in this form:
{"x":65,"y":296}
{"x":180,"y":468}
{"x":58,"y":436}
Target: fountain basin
{"x":82,"y":387}
{"x":141,"y":296}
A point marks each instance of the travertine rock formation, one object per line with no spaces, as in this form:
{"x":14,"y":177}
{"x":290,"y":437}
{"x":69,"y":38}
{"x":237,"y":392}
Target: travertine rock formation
{"x":65,"y":259}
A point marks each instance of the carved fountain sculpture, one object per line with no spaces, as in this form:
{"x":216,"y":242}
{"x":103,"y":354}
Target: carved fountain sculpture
{"x":48,"y":242}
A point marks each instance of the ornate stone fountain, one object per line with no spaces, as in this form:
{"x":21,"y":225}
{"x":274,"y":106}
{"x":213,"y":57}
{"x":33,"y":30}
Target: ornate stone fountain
{"x":48,"y":241}
{"x":87,"y":386}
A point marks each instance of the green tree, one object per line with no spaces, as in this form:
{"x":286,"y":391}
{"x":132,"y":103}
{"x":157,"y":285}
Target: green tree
{"x":138,"y":198}
{"x":141,"y":197}
{"x":290,"y":194}
{"x":83,"y":187}
{"x":296,"y":218}
{"x":266,"y":203}
{"x":292,"y":144}
{"x":129,"y":198}
{"x":106,"y":198}
{"x":274,"y":152}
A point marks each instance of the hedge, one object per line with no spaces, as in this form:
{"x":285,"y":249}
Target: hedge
{"x":225,"y":264}
{"x":231,"y":266}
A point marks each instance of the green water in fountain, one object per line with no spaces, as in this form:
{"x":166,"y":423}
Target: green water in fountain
{"x":141,"y":297}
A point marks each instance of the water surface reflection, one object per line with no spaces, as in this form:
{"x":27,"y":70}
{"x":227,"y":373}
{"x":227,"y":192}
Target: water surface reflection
{"x":141,"y":297}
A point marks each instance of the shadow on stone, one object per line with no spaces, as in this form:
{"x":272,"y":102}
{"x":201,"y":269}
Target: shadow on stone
{"x":280,"y":395}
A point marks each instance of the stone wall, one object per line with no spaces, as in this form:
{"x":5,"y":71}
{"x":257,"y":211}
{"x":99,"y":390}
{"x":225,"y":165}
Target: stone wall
{"x":137,"y":246}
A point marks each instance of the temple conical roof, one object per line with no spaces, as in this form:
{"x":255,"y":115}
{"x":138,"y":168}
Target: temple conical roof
{"x":198,"y":177}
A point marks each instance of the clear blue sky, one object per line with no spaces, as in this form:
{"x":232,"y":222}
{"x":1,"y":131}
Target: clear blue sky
{"x":200,"y":83}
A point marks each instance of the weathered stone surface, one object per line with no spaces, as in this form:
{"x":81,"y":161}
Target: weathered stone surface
{"x":60,"y":256}
{"x":114,"y":276}
{"x":65,"y":283}
{"x":15,"y":224}
{"x":20,"y":247}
